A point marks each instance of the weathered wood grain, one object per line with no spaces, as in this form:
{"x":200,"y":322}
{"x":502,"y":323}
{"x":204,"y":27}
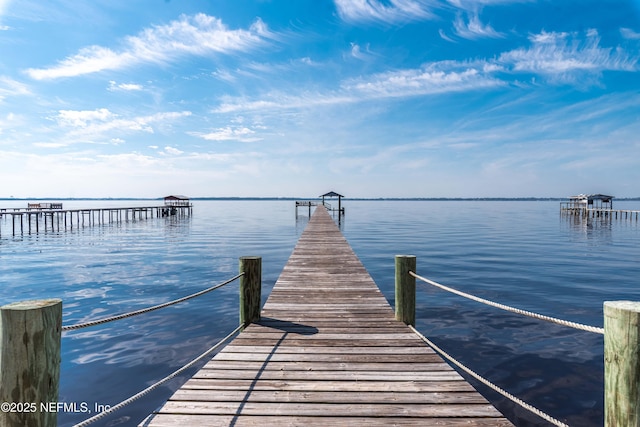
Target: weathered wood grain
{"x":188,"y":395}
{"x":424,"y":410}
{"x":30,"y":334}
{"x":622,"y":363}
{"x":326,"y":351}
{"x":418,"y":387}
{"x":169,"y":420}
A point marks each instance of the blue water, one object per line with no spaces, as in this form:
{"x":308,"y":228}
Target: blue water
{"x":520,"y":253}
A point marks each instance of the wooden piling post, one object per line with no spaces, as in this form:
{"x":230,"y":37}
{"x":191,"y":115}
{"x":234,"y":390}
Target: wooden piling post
{"x":29,"y":361}
{"x":405,"y":289}
{"x":621,"y":363}
{"x":250,"y":289}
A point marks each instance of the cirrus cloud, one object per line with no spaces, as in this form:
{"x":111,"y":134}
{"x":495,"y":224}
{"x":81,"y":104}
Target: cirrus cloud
{"x":190,"y":35}
{"x":565,"y":57}
{"x":389,"y":12}
{"x":101,"y":124}
{"x":473,"y":28}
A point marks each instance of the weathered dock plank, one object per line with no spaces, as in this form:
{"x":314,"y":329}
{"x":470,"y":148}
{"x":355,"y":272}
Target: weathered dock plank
{"x":327,"y":351}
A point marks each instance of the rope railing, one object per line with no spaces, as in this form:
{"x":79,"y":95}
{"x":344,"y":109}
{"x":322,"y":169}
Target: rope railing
{"x":154,"y":386}
{"x":250,"y":290}
{"x":405,"y":289}
{"x":148,"y":309}
{"x":43,"y":318}
{"x":531,"y":314}
{"x":488,"y":383}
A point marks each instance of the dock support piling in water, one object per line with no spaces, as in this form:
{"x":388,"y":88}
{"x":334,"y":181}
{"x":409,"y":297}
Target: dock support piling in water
{"x":30,"y":334}
{"x":90,"y":217}
{"x":405,"y":289}
{"x":621,"y":363}
{"x":250,"y":289}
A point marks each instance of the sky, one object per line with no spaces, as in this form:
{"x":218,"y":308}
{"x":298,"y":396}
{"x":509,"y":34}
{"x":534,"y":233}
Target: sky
{"x":283,"y":98}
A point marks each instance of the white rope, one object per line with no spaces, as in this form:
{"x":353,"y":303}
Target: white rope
{"x":488,"y":383}
{"x":512,"y":309}
{"x":157,"y":384}
{"x":148,"y":309}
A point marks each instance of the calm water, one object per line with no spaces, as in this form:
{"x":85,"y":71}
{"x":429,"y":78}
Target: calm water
{"x":518,"y":253}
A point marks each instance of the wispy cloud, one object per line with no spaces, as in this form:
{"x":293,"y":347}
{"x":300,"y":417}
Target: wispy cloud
{"x":242,"y":134}
{"x":224,"y":75}
{"x":126,"y":87}
{"x":98,"y":125}
{"x":7,"y":121}
{"x":444,"y":36}
{"x":629,"y":34}
{"x":560,"y":58}
{"x":74,"y":118}
{"x":10,"y":87}
{"x":391,"y":11}
{"x":564,"y":57}
{"x":476,"y":4}
{"x":439,"y":77}
{"x":190,"y":35}
{"x":278,"y":100}
{"x":172,"y":151}
{"x":474,"y":29}
{"x":433,"y":78}
{"x":358,"y":53}
{"x":265,"y":71}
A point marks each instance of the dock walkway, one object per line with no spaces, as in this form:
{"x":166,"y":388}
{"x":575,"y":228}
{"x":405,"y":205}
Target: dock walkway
{"x":327,"y":351}
{"x":55,"y":219}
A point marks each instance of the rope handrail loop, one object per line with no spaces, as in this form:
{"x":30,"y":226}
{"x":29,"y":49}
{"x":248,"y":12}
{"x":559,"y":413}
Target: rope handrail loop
{"x":148,"y":309}
{"x":158,"y":383}
{"x":575,"y":325}
{"x":488,"y":383}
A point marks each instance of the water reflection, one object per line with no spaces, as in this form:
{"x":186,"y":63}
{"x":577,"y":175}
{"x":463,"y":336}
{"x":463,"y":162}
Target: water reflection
{"x":598,"y":228}
{"x":555,"y":368}
{"x":301,"y":222}
{"x":517,"y":253}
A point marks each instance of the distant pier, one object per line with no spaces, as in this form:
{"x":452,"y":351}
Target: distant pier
{"x":51,"y":217}
{"x":601,"y":213}
{"x":311,"y":203}
{"x":596,"y":206}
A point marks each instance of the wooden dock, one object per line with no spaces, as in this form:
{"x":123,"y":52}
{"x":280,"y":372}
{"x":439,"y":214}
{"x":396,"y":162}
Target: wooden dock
{"x":19,"y":221}
{"x":595,"y":206}
{"x":583,"y":212}
{"x":327,"y":351}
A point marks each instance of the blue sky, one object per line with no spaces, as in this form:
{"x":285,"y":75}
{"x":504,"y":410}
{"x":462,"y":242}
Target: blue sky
{"x":370,"y":98}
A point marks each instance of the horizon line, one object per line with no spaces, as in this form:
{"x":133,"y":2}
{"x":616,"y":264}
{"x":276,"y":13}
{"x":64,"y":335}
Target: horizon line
{"x":527,"y":198}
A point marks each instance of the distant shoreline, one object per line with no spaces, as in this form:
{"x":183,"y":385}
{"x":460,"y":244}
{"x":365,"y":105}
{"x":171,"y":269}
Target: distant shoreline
{"x":436,"y":199}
